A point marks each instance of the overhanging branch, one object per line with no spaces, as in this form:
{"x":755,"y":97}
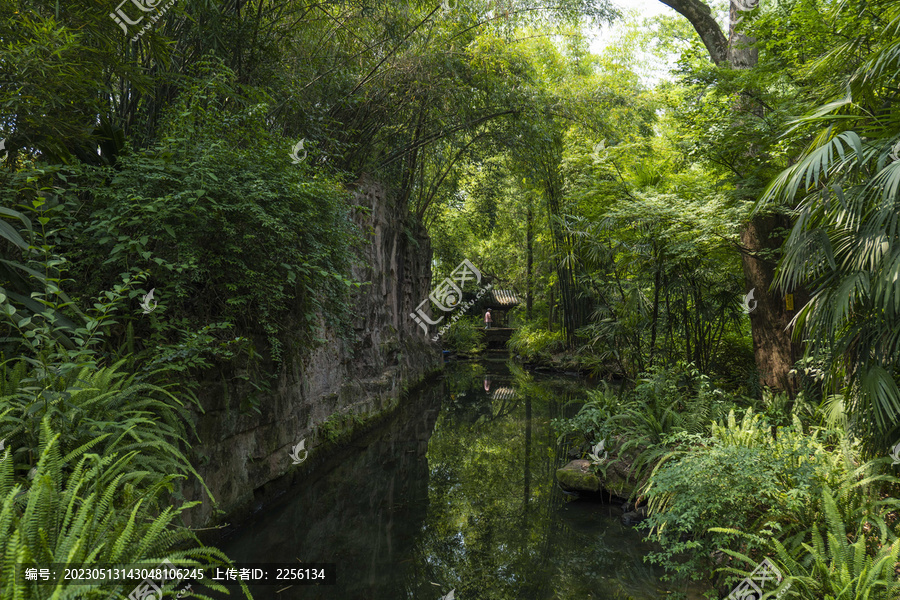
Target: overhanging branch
{"x":700,"y":16}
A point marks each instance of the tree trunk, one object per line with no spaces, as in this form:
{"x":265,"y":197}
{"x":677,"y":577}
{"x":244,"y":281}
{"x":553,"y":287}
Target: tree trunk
{"x":529,"y":264}
{"x":656,"y":286}
{"x":773,"y":349}
{"x":741,"y":52}
{"x":550,"y":311}
{"x":527,"y":463}
{"x":700,"y":16}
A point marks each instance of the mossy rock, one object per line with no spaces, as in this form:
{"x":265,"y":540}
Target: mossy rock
{"x":617,"y":484}
{"x":577,"y":477}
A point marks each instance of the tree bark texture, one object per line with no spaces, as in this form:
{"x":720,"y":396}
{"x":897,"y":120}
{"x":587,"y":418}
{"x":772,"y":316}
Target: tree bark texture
{"x":773,"y":348}
{"x":770,"y":321}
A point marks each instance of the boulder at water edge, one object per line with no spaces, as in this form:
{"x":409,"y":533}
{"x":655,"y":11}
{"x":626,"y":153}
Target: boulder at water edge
{"x":577,"y":477}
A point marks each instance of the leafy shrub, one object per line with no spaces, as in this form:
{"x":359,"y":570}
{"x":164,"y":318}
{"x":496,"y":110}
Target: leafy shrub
{"x":42,"y":321}
{"x":836,"y":563}
{"x":464,"y":336}
{"x":671,"y":399}
{"x":225,"y":228}
{"x":533,"y":342}
{"x":668,"y":407}
{"x":95,"y":454}
{"x":39,"y":318}
{"x":764,"y":486}
{"x":595,"y":419}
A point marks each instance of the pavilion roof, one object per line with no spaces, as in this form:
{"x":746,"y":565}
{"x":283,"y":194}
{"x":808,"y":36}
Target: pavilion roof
{"x":503,"y":299}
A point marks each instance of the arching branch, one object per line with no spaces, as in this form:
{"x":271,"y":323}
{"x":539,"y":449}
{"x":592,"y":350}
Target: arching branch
{"x":700,"y":16}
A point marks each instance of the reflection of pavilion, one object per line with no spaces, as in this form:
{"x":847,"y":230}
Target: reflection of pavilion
{"x":504,"y":393}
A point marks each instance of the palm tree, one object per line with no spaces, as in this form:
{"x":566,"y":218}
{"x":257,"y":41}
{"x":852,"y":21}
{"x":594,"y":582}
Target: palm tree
{"x":845,"y":243}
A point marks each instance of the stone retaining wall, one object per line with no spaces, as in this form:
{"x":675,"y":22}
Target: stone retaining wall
{"x":244,"y":455}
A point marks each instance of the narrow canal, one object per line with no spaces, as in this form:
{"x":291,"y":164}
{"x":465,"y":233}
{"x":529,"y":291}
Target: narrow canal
{"x":455,"y":491}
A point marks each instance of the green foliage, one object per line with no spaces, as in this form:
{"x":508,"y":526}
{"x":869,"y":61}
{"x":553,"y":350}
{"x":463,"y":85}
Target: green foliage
{"x":665,"y":402}
{"x":96,"y":454}
{"x":765,"y":486}
{"x":92,"y":474}
{"x":844,"y":191}
{"x":533,"y":342}
{"x":674,"y":399}
{"x":837,"y":564}
{"x":464,"y":336}
{"x":165,"y":164}
{"x":101,"y":408}
{"x":50,"y":326}
{"x":339,"y":424}
{"x":662,"y":280}
{"x":230,"y":229}
{"x":51,"y":74}
{"x":83,"y":508}
{"x":594,"y":420}
{"x":45,"y":323}
{"x":670,"y":408}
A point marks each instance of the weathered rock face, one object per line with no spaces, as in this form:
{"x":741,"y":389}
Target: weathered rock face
{"x":372,"y":527}
{"x":244,"y":456}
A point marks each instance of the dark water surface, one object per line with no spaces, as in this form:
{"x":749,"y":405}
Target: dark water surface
{"x":455,"y":491}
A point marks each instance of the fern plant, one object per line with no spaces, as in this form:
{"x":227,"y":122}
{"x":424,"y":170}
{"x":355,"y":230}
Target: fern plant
{"x":836,"y":564}
{"x":81,"y":508}
{"x":845,"y":243}
{"x":767,"y":485}
{"x":103,"y":407}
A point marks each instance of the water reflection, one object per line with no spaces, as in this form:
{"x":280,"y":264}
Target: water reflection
{"x":498,"y":527}
{"x":456,"y":492}
{"x":362,"y":513}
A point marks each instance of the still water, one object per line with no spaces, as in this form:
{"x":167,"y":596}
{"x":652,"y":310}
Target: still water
{"x":455,"y":491}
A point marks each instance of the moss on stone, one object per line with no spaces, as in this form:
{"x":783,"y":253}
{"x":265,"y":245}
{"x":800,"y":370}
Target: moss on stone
{"x":577,"y":477}
{"x":618,"y":485}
